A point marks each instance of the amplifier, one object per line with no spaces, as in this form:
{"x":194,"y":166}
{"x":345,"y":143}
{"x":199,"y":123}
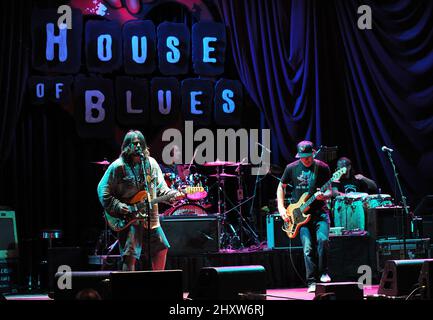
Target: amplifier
{"x":191,"y":235}
{"x":387,"y":249}
{"x":276,"y":237}
{"x":387,"y":222}
{"x":8,"y":235}
{"x":8,"y":275}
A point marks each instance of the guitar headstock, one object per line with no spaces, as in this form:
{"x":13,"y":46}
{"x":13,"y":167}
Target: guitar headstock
{"x":192,"y":190}
{"x":337,"y":174}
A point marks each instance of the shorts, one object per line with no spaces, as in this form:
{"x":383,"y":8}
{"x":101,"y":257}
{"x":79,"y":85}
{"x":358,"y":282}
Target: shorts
{"x":133,"y":240}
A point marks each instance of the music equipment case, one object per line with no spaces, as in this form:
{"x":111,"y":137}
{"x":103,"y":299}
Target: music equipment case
{"x":391,"y":249}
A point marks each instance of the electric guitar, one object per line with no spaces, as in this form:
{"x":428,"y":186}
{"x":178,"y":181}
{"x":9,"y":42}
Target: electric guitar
{"x":297,"y":212}
{"x":139,"y":208}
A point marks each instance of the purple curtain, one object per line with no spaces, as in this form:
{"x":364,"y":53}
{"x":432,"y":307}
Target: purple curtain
{"x":315,"y":75}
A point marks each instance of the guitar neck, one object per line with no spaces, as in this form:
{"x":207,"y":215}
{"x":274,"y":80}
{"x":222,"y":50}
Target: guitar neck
{"x":162,"y":198}
{"x":322,"y":189}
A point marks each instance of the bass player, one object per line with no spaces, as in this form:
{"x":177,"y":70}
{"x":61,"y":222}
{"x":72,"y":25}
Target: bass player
{"x":307,"y":175}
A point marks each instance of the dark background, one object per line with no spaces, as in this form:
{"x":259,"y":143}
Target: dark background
{"x":308,"y":73}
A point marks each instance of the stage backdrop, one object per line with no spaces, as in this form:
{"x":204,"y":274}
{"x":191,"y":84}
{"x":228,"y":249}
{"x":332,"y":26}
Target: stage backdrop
{"x":316,"y":75}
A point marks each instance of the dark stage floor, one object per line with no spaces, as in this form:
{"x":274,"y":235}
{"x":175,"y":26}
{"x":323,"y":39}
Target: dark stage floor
{"x":273,"y":294}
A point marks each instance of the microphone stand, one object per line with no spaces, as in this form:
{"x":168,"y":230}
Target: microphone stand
{"x":403,"y":199}
{"x":146,"y":186}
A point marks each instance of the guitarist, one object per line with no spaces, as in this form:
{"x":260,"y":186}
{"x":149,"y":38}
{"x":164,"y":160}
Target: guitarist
{"x":308,"y":175}
{"x":122,"y":180}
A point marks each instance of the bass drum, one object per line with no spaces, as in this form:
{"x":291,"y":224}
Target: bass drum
{"x":186,"y":209}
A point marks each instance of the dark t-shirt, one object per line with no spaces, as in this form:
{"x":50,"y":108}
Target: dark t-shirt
{"x":301,"y":177}
{"x":351,"y":184}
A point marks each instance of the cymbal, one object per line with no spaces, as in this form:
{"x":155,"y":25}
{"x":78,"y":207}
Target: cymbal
{"x":218,"y":163}
{"x":235,"y":164}
{"x":102,"y":163}
{"x":223,"y":175}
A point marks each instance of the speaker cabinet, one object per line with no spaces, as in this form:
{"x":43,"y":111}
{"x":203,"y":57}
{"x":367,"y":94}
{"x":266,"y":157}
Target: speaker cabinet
{"x":340,"y":290}
{"x":400,"y":277}
{"x":386,"y":222}
{"x":276,"y":237}
{"x":191,"y":235}
{"x":73,"y":257}
{"x":230,"y":283}
{"x":8,"y":235}
{"x":79,"y":281}
{"x":147,"y":285}
{"x":426,"y":279}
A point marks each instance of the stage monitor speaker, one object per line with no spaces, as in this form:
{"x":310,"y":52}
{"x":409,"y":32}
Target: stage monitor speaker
{"x":400,"y":277}
{"x":339,"y":291}
{"x":82,"y":283}
{"x":191,"y":235}
{"x":230,"y":283}
{"x":426,"y":280}
{"x":8,"y":235}
{"x":147,"y":285}
{"x":73,"y":257}
{"x":386,"y":222}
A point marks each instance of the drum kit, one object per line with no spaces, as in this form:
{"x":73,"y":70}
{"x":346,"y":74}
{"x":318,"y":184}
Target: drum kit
{"x":350,"y":210}
{"x":199,"y":202}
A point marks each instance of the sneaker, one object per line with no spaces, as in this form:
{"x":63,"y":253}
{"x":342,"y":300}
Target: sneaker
{"x":311,"y":288}
{"x":325,"y":278}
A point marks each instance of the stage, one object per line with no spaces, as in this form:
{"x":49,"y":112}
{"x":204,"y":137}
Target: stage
{"x":272,"y":294}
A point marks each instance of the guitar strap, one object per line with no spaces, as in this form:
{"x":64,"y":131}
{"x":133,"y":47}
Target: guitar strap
{"x":313,"y":181}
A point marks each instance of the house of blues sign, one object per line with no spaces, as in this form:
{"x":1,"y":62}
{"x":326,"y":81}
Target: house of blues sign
{"x":104,"y":70}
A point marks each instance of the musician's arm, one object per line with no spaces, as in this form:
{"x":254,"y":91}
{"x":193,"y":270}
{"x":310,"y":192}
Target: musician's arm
{"x":280,"y":200}
{"x":109,"y":202}
{"x":336,"y":192}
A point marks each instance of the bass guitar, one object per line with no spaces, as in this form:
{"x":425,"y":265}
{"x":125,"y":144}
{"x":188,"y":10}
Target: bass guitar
{"x":297,"y":212}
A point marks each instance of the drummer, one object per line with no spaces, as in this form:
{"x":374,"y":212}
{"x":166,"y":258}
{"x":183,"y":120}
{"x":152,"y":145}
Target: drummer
{"x":174,"y":172}
{"x":351,"y":182}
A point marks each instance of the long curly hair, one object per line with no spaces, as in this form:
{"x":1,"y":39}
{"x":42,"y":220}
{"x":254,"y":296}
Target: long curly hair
{"x":127,"y":149}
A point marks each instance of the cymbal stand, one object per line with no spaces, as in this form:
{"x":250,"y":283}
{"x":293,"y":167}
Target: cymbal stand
{"x":225,"y":225}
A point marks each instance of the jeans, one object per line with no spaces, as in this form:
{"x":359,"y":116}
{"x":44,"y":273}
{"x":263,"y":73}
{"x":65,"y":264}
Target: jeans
{"x":315,"y":244}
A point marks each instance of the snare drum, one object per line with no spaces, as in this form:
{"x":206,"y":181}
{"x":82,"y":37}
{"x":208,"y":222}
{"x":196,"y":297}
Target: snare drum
{"x":349,"y":211}
{"x":377,"y":200}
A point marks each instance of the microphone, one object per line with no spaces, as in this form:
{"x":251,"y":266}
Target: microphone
{"x":263,"y":147}
{"x":385,"y":148}
{"x":139,"y":151}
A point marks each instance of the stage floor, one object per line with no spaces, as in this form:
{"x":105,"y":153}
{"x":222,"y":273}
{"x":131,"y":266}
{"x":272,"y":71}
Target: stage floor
{"x":273,"y":294}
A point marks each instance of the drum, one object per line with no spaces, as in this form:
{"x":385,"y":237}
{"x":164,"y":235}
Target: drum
{"x":186,"y":209}
{"x":349,"y":211}
{"x":377,"y":200}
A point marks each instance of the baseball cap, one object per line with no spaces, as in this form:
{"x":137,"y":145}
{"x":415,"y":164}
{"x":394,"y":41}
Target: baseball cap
{"x":305,"y":149}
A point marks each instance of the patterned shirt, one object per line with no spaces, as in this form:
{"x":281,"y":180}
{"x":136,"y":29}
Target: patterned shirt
{"x":121,"y":182}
